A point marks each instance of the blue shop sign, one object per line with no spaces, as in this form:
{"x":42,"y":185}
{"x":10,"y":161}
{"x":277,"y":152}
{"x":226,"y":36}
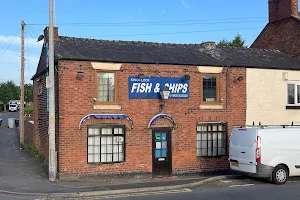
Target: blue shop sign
{"x":150,"y":86}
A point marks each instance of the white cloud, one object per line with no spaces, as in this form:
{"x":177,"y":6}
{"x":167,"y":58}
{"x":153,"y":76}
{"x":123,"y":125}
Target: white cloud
{"x":10,"y":63}
{"x":185,"y":4}
{"x":17,"y":41}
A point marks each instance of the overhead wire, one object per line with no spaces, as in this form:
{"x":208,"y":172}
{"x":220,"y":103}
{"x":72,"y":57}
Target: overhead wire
{"x":173,"y":33}
{"x":146,"y":23}
{"x":9,"y":43}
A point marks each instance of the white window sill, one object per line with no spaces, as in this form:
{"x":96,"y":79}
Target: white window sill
{"x":214,"y":107}
{"x":107,"y":107}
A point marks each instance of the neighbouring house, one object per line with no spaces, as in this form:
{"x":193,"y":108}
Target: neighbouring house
{"x":111,"y":118}
{"x":278,"y":91}
{"x":283,"y":30}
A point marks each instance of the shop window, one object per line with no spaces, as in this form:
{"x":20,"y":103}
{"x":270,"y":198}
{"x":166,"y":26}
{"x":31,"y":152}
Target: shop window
{"x":106,"y":87}
{"x":106,"y":144}
{"x":211,"y":139}
{"x":210,"y":88}
{"x":293,"y":96}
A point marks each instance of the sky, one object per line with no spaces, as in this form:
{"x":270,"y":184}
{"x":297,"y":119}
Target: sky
{"x":172,"y":21}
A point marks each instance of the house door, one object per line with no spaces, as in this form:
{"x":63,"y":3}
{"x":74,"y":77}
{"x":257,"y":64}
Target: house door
{"x":162,"y":154}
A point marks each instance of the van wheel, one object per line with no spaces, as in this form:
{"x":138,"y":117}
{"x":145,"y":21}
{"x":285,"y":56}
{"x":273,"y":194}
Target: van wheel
{"x":280,"y":175}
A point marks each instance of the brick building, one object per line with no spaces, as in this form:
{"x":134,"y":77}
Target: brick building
{"x":110,"y":115}
{"x":283,"y":30}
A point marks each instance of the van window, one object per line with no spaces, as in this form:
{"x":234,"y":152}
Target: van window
{"x":244,"y":138}
{"x":211,"y":139}
{"x":12,"y":106}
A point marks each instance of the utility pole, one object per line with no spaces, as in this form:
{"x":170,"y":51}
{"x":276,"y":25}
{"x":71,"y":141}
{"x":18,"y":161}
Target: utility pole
{"x":51,"y":130}
{"x":21,"y":114}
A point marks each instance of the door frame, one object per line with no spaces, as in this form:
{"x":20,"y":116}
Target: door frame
{"x":169,"y":149}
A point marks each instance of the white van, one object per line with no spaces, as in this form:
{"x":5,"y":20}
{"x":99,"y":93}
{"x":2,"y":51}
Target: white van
{"x":267,"y":152}
{"x":13,"y":107}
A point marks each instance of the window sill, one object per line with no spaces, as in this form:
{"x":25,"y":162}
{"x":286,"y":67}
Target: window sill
{"x":211,"y":106}
{"x":105,"y":163}
{"x":107,"y":107}
{"x":293,"y":107}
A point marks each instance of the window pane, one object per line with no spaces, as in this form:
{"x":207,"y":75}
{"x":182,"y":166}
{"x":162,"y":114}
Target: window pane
{"x":198,"y":144}
{"x":209,"y":88}
{"x":204,"y":136}
{"x":120,"y":148}
{"x":96,"y":158}
{"x":291,"y":94}
{"x":103,"y":148}
{"x":97,"y":149}
{"x":90,"y":149}
{"x":103,"y":158}
{"x":116,"y":157}
{"x":115,"y":150}
{"x":198,"y":152}
{"x":97,"y":131}
{"x":198,"y":136}
{"x":106,"y":131}
{"x":121,"y":157}
{"x":109,"y":158}
{"x":204,"y":144}
{"x":97,"y":140}
{"x":90,"y":158}
{"x":103,"y":140}
{"x":90,"y":140}
{"x":91,"y":131}
{"x":109,"y":148}
{"x":109,"y":140}
{"x":298,"y":93}
{"x":106,"y":87}
{"x":204,"y":152}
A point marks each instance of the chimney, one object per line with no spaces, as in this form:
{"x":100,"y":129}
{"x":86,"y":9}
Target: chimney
{"x":208,"y":45}
{"x":282,"y":9}
{"x":55,"y":33}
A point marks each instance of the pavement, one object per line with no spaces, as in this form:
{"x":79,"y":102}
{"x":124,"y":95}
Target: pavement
{"x":23,"y":175}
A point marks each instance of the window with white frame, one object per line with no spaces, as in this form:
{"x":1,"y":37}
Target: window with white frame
{"x":293,"y":93}
{"x":211,"y":139}
{"x":106,"y":144}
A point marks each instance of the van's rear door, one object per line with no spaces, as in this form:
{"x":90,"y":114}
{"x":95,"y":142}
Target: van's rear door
{"x":242,"y":150}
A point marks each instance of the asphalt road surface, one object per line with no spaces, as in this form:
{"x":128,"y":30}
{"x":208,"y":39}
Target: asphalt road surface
{"x":228,"y":189}
{"x":5,"y":116}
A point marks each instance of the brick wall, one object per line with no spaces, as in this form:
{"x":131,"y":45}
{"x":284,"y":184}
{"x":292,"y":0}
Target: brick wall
{"x":76,"y":101}
{"x":282,"y":9}
{"x":28,"y":132}
{"x":282,"y":35}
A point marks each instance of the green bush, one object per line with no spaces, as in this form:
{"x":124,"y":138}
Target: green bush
{"x":35,"y":151}
{"x":28,"y":111}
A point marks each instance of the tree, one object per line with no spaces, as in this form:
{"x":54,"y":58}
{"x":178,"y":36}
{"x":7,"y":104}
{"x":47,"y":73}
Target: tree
{"x":28,"y":93}
{"x":238,"y":41}
{"x":8,"y":91}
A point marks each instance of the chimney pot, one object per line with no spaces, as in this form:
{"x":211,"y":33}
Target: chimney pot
{"x":209,"y":45}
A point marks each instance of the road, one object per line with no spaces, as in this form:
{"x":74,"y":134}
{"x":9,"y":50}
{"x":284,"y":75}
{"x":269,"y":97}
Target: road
{"x":5,"y":116}
{"x":232,"y":189}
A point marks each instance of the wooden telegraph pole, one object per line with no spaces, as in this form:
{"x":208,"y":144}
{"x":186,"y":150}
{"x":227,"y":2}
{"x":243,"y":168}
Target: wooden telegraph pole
{"x":21,"y":116}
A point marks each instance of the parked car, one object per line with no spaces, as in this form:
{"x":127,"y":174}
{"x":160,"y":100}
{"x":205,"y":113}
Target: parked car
{"x":13,"y":108}
{"x":272,"y":153}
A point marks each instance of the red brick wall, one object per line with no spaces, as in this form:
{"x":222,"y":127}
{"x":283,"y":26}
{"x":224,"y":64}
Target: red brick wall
{"x":76,"y":101}
{"x":283,"y":36}
{"x":282,"y":9}
{"x":28,"y":132}
{"x":40,"y":115}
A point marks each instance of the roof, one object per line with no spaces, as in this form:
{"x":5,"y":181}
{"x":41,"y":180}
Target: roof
{"x":83,"y":49}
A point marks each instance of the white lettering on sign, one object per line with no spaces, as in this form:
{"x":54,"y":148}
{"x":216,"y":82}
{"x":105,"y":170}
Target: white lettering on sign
{"x":177,"y":87}
{"x":141,"y":87}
